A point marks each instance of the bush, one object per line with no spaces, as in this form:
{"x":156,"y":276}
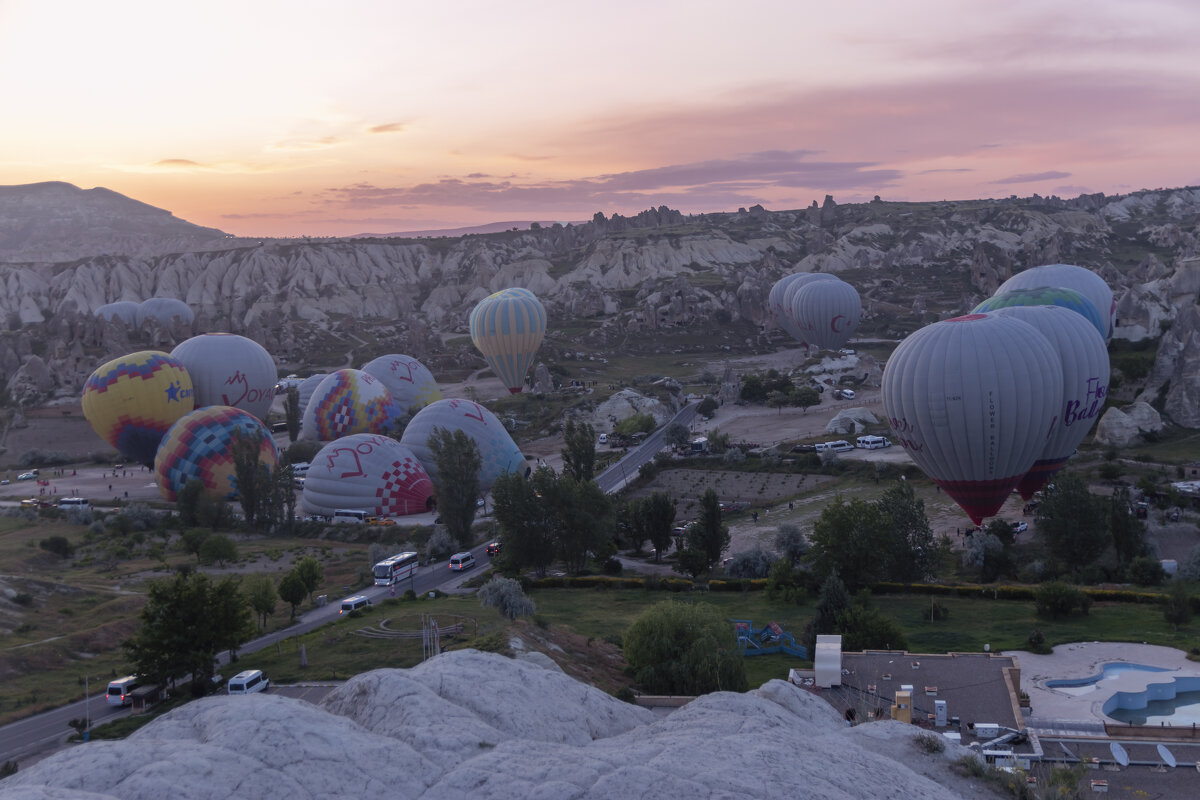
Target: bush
{"x":684,"y":649}
{"x":440,"y":544}
{"x":57,"y":545}
{"x":612,"y":566}
{"x":753,"y":563}
{"x":505,"y":595}
{"x":935,"y":613}
{"x":1037,"y":643}
{"x":23,"y":599}
{"x":1146,"y":571}
{"x":42,"y":458}
{"x":930,"y":743}
{"x":1057,"y":599}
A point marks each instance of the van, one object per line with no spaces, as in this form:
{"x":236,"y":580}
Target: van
{"x":603,"y":438}
{"x":872,"y":442}
{"x":73,"y":502}
{"x":840,"y":446}
{"x":354,"y":603}
{"x":461,"y":561}
{"x":120,"y":690}
{"x":248,"y":682}
{"x":351,"y":516}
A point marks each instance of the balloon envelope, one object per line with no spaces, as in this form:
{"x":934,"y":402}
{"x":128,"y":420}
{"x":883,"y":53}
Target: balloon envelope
{"x":1069,"y":276}
{"x":164,"y":310}
{"x":973,"y":401}
{"x":1086,"y":370}
{"x":229,"y":370}
{"x":200,"y":447}
{"x":411,"y":384}
{"x":779,"y":299}
{"x":346,"y":402}
{"x":498,"y":452}
{"x":124,"y":310}
{"x":508,"y":327}
{"x":306,"y":388}
{"x":367,"y":472}
{"x":131,"y":402}
{"x":826,"y":312}
{"x":1045,"y":296}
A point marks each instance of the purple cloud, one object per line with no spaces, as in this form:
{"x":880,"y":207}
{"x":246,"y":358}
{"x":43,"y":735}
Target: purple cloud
{"x":1033,"y":177}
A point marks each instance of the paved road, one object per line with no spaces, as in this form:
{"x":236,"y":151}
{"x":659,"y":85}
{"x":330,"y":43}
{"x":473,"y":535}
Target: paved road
{"x":36,"y":734}
{"x":615,"y":477}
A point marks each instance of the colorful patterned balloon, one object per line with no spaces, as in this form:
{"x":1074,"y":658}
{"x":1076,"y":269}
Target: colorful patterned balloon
{"x":131,"y":402}
{"x":346,"y":402}
{"x":200,"y":447}
{"x":1045,"y":296}
{"x":508,"y":327}
{"x":1069,"y":276}
{"x":367,"y":472}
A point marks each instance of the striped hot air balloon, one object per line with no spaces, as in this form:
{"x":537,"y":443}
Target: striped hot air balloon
{"x":131,"y":401}
{"x":508,"y":327}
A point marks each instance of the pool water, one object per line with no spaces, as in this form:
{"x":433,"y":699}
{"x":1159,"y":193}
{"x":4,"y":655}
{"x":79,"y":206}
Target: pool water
{"x":1182,"y":709}
{"x":1109,"y":670}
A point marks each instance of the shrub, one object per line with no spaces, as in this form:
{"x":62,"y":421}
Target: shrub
{"x":1146,"y":571}
{"x":57,"y":545}
{"x":440,"y":544}
{"x":684,"y":649}
{"x":754,"y":563}
{"x":505,"y":595}
{"x":1056,"y":599}
{"x":612,"y":566}
{"x":935,"y":613}
{"x":930,"y":743}
{"x":1037,"y":643}
{"x":23,"y":599}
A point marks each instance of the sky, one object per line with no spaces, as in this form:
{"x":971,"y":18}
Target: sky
{"x":296,"y":118}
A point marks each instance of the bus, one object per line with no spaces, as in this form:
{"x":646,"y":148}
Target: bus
{"x":394,"y":569}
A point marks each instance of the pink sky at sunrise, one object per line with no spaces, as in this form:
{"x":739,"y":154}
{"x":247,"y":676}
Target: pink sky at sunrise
{"x":268,"y":118}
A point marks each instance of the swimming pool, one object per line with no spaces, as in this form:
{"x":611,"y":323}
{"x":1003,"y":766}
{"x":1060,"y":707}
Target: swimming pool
{"x":1176,"y":702}
{"x":1109,"y":670}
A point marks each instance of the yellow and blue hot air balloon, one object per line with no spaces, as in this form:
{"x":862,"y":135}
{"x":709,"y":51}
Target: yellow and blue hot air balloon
{"x":200,"y":447}
{"x":131,"y":401}
{"x":508,"y":328}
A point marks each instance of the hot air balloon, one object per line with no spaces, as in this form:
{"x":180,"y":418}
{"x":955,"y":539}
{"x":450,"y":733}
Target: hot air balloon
{"x":411,"y":384}
{"x":779,"y":299}
{"x":498,"y":452}
{"x":164,"y":310}
{"x":131,"y":402}
{"x":229,"y":370}
{"x":973,"y":400}
{"x":346,"y":402}
{"x":1045,"y":296}
{"x":367,"y":472}
{"x":826,"y":312}
{"x":124,"y":310}
{"x":200,"y":447}
{"x":1085,"y":385}
{"x":306,"y":388}
{"x":1068,"y":276}
{"x":508,"y":327}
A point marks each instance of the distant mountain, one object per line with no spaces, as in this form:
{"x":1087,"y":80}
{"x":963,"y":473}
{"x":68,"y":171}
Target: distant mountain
{"x":55,"y":221}
{"x":490,"y":227}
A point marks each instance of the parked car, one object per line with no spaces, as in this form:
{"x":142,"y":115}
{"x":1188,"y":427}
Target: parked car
{"x":4,"y":482}
{"x":27,"y":476}
{"x":847,"y":394}
{"x":1020,"y":527}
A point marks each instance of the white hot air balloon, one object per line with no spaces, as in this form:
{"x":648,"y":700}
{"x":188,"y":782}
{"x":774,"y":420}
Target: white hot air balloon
{"x":498,"y":452}
{"x":1085,"y":385}
{"x":410,"y":382}
{"x":366,"y":472}
{"x":826,"y":312}
{"x":780,"y":298}
{"x":229,"y":370}
{"x":124,"y":310}
{"x":1068,"y":276}
{"x":974,"y":400}
{"x":164,"y":310}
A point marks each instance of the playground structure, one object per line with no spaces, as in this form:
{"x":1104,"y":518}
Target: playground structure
{"x":771,"y":638}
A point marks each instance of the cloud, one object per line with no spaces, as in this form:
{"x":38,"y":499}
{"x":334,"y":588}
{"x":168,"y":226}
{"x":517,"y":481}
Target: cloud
{"x":945,"y":169}
{"x":387,"y":127}
{"x":306,"y":143}
{"x":1033,"y":177}
{"x":715,"y":183}
{"x":186,"y":163}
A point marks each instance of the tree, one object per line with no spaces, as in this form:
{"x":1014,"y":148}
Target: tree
{"x":292,"y":590}
{"x":1072,"y":522}
{"x":245,"y":448}
{"x":579,"y":455}
{"x":658,"y":516}
{"x":310,"y":571}
{"x":291,"y":408}
{"x":778,"y":400}
{"x":709,"y":535}
{"x":791,"y":543}
{"x":684,"y":649}
{"x":863,"y":628}
{"x":989,"y":554}
{"x":458,"y":464}
{"x":831,"y":602}
{"x":806,"y":397}
{"x":1189,"y":568}
{"x":1146,"y":571}
{"x":636,"y":423}
{"x":852,"y":540}
{"x":752,"y":563}
{"x":59,"y":545}
{"x":676,"y":435}
{"x":505,"y":595}
{"x":1177,"y":610}
{"x":217,"y":549}
{"x":526,"y":522}
{"x":583,"y":521}
{"x":261,"y":597}
{"x":186,"y":622}
{"x":1057,"y":599}
{"x":1127,"y":531}
{"x":707,"y":408}
{"x":187,"y":502}
{"x":718,"y":442}
{"x":193,"y":539}
{"x":912,"y":546}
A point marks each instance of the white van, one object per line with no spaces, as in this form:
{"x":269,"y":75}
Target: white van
{"x":351,"y":516}
{"x":461,"y":561}
{"x":120,"y":690}
{"x":248,"y":682}
{"x":73,"y":502}
{"x":603,"y":438}
{"x":840,"y":446}
{"x":354,"y":603}
{"x":872,"y":442}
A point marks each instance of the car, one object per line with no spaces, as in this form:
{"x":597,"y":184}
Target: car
{"x":804,"y":448}
{"x":380,"y":521}
{"x":493,"y":548}
{"x":248,"y":682}
{"x":29,"y":503}
{"x":27,"y":476}
{"x":847,"y":351}
{"x":354,"y":602}
{"x":1020,"y":527}
{"x":4,"y":482}
{"x":847,"y":394}
{"x":461,"y":561}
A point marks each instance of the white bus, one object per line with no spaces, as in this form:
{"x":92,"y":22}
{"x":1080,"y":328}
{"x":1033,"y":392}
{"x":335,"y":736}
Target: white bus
{"x":352,"y":516}
{"x":394,"y":569}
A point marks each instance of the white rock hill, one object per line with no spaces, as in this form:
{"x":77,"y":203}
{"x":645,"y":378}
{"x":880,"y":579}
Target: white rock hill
{"x":478,"y":725}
